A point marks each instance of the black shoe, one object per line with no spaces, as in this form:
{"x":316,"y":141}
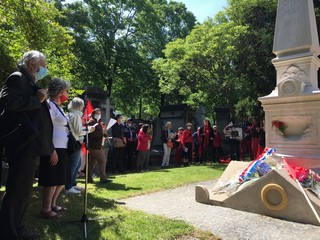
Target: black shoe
{"x":26,"y":234}
{"x":105,"y":181}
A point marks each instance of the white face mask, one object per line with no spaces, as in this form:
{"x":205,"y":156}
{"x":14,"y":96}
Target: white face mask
{"x":97,"y":117}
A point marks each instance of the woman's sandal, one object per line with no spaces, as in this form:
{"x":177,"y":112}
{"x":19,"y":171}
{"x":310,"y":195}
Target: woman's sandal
{"x":59,"y":209}
{"x":49,"y":215}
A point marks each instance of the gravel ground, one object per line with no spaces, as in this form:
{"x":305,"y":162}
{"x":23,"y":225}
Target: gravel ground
{"x":226,"y":223}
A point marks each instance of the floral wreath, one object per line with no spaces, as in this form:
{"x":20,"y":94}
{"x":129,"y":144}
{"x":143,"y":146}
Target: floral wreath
{"x":281,"y":126}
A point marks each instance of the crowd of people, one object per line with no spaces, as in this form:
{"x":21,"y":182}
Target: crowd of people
{"x":201,"y":146}
{"x":35,"y":132}
{"x":38,"y":129}
{"x":205,"y":144}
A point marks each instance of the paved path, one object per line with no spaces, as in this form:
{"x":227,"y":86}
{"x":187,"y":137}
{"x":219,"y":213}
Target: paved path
{"x":226,"y":223}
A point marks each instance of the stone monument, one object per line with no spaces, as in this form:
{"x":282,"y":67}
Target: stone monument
{"x":292,"y":110}
{"x":292,"y":125}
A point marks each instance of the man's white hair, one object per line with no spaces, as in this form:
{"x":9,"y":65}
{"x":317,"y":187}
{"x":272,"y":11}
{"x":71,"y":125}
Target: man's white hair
{"x":35,"y":56}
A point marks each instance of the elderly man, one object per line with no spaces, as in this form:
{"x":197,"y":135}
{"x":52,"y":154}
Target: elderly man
{"x":21,"y":98}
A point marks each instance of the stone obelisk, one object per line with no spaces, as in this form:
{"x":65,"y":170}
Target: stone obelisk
{"x":294,"y":104}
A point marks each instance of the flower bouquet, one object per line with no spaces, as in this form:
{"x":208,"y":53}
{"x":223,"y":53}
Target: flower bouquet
{"x":281,"y":126}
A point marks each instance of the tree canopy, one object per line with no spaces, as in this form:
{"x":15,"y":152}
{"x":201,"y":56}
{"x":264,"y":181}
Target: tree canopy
{"x":115,"y":43}
{"x":145,"y":53}
{"x":31,"y":24}
{"x":226,"y":61}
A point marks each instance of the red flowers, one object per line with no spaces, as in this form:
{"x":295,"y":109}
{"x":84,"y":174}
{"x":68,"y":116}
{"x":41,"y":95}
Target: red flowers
{"x":280,"y":125}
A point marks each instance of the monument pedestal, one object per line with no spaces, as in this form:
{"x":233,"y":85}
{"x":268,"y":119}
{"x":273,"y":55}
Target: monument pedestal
{"x":300,"y":116}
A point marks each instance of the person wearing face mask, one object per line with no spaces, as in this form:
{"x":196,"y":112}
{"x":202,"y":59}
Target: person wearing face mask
{"x":19,"y":96}
{"x":96,"y":153}
{"x":187,"y":145}
{"x":53,"y":169}
{"x":75,"y":122}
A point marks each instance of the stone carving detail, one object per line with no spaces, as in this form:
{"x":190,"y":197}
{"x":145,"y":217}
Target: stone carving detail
{"x":298,"y":128}
{"x":292,"y":82}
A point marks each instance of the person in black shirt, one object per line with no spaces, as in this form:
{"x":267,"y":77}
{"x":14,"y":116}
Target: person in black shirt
{"x":119,"y":143}
{"x":132,"y":140}
{"x":22,"y":97}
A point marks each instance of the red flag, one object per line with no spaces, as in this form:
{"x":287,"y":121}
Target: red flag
{"x":87,"y":112}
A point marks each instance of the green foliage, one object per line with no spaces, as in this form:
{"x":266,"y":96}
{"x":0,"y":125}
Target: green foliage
{"x":115,"y":42}
{"x":223,"y":61}
{"x":31,"y":25}
{"x":140,"y":51}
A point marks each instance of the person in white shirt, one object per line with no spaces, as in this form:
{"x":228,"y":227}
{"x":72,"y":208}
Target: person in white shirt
{"x":76,"y":127}
{"x":53,"y":169}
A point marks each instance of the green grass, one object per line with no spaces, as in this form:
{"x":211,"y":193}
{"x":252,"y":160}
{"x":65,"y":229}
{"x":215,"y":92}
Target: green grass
{"x":120,"y":222}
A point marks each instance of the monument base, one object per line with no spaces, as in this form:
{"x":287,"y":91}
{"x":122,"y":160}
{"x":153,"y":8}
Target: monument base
{"x":275,"y":194}
{"x":300,"y":118}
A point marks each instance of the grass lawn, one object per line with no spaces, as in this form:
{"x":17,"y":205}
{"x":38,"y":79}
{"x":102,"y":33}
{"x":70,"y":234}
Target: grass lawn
{"x":119,"y":222}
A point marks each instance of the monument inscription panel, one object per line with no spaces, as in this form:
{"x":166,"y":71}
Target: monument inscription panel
{"x":292,"y":27}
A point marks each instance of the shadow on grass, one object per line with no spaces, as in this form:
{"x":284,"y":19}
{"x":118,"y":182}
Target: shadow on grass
{"x":97,"y":215}
{"x":112,"y":186}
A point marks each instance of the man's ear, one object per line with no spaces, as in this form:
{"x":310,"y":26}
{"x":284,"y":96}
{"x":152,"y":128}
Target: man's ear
{"x":32,"y":65}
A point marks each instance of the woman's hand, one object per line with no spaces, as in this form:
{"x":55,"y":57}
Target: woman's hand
{"x":54,"y":158}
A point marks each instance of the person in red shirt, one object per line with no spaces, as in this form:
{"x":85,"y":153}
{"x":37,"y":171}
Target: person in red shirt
{"x":144,"y":143}
{"x":217,"y":148}
{"x":187,"y":145}
{"x":206,"y":133}
{"x":178,"y":148}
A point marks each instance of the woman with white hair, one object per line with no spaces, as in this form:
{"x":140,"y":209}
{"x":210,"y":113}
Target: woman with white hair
{"x":76,"y":127}
{"x":21,"y":97}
